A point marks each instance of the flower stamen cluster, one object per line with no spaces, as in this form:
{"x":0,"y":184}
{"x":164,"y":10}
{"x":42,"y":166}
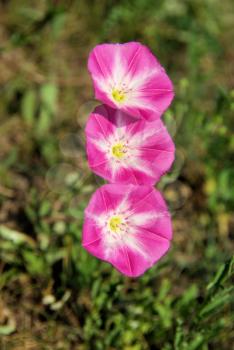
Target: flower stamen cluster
{"x":119,"y":150}
{"x":118,"y":95}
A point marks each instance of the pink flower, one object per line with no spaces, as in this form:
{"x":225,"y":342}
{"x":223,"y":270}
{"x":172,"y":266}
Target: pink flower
{"x":128,"y":226}
{"x":126,"y":150}
{"x":129,"y":77}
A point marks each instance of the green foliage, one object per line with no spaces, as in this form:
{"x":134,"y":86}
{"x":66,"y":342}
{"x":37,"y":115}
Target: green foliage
{"x":47,"y":280}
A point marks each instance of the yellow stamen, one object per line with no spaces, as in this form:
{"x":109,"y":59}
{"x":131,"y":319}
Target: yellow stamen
{"x":118,"y":150}
{"x":118,"y":95}
{"x":114,"y":223}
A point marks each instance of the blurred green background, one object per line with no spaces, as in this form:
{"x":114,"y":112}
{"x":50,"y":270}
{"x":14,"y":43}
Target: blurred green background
{"x":53,"y":295}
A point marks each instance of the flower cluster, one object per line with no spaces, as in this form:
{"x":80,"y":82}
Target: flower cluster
{"x":127,"y":222}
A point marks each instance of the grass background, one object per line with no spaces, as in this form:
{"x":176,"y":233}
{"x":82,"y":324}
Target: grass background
{"x":53,"y":295}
